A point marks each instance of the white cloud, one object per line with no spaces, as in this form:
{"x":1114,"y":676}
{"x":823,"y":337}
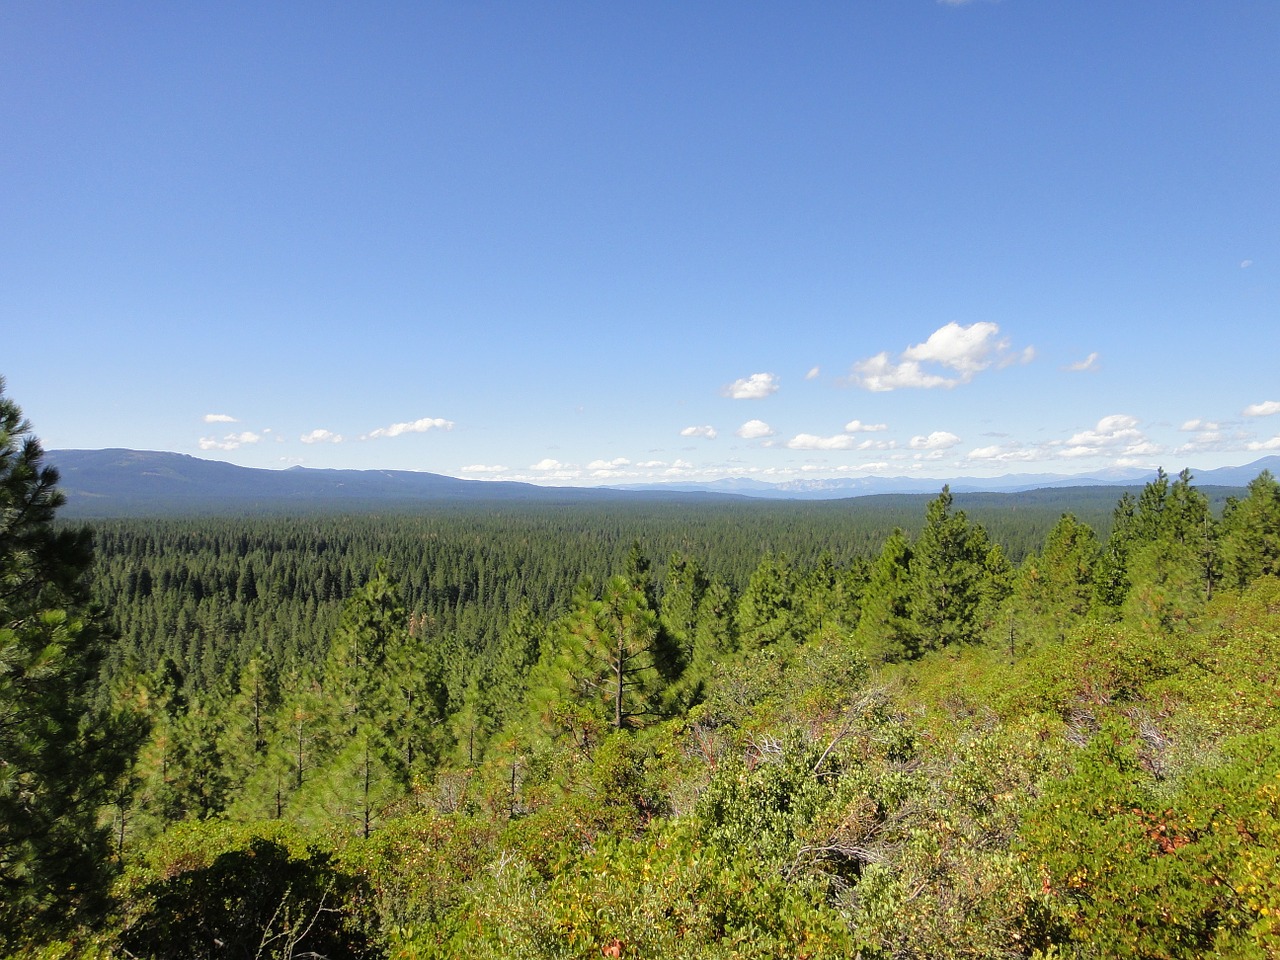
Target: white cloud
{"x":321,"y":436}
{"x":1002,"y":454}
{"x":1272,"y":444}
{"x":1115,"y":435}
{"x":1264,"y":409}
{"x":813,"y":374}
{"x":484,"y":468}
{"x":1246,"y":264}
{"x":878,"y":445}
{"x":609,"y":465}
{"x":1206,"y":440}
{"x":219,"y":418}
{"x":857,"y":426}
{"x":966,"y":350}
{"x":880,"y":375}
{"x":808,"y":441}
{"x":961,"y":351}
{"x":230,"y":442}
{"x":413,"y":426}
{"x":1192,"y":426}
{"x":1088,"y":363}
{"x":755,"y":387}
{"x":754,"y":430}
{"x":708,"y":432}
{"x":938,"y":440}
{"x":548,"y":464}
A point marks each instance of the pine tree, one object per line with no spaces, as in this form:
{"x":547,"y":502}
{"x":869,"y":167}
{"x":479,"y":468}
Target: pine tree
{"x":1054,"y":588}
{"x":884,"y":630}
{"x":1168,"y":550}
{"x":1251,"y":533}
{"x":607,"y":656}
{"x":60,"y":758}
{"x":765,"y":614}
{"x":247,"y":733}
{"x":947,"y":578}
{"x":384,"y":703}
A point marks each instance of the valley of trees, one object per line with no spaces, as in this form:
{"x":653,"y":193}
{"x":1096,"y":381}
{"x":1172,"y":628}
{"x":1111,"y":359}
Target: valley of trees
{"x":766,"y":730}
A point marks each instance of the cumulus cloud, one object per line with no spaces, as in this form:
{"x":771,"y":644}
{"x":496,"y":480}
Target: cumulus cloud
{"x":1272,"y":444}
{"x":1114,"y":435}
{"x":755,"y":387}
{"x":857,"y":426}
{"x":938,"y":440}
{"x":808,"y":441}
{"x":1088,"y":363}
{"x":966,"y":350}
{"x":548,"y":464}
{"x":1264,"y":409}
{"x":707,"y":432}
{"x":813,"y":373}
{"x":754,"y":430}
{"x":231,"y":441}
{"x":413,"y":426}
{"x":219,"y":418}
{"x":880,"y":374}
{"x":321,"y":436}
{"x":952,"y":355}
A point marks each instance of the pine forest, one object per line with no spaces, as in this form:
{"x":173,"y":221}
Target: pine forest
{"x":942,"y":727}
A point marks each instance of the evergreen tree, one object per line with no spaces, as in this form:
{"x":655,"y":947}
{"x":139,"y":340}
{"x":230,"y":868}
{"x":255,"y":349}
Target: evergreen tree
{"x":60,"y":758}
{"x":247,"y":733}
{"x":947,"y":578}
{"x":1168,"y":546}
{"x":1251,"y":533}
{"x":884,"y":629}
{"x":608,"y":655}
{"x":682,"y":593}
{"x":765,"y":615}
{"x":1111,"y":578}
{"x":1054,"y":588}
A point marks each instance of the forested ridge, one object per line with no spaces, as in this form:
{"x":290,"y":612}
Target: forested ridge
{"x":949,"y":727}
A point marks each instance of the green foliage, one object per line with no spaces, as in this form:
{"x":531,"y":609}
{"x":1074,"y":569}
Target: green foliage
{"x":765,"y":614}
{"x":218,"y":889}
{"x":1054,"y":588}
{"x":609,"y":657}
{"x":1251,"y":533}
{"x":1193,"y":871}
{"x":885,"y":628}
{"x":60,"y":756}
{"x":946,"y":577}
{"x":728,"y":754}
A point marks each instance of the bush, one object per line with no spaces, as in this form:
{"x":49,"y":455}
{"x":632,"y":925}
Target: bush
{"x":212,"y":888}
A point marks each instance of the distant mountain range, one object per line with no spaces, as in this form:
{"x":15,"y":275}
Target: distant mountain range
{"x":838,"y":488}
{"x":132,"y":482}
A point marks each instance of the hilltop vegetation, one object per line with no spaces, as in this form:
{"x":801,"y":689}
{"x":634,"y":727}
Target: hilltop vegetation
{"x":635,"y":732}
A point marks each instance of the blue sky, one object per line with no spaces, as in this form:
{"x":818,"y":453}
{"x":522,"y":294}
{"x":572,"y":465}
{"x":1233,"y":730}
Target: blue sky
{"x":607,"y":242}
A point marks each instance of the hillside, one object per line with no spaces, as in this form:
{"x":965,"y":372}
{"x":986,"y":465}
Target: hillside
{"x":122,"y":483}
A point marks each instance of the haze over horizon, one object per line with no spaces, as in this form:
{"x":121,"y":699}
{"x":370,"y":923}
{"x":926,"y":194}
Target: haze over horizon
{"x":605,"y":244}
